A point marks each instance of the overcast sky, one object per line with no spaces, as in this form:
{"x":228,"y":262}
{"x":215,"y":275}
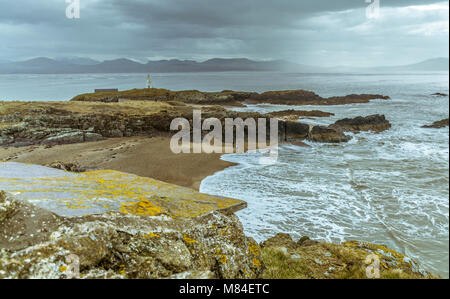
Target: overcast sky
{"x":315,"y":32}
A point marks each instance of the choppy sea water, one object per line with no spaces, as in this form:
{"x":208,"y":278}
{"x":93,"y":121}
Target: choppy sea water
{"x":390,"y":188}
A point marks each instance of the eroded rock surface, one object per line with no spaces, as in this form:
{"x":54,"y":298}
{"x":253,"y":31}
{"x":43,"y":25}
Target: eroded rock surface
{"x":118,"y":245}
{"x":308,"y":259}
{"x":232,"y":98}
{"x":327,"y":135}
{"x":376,"y":123}
{"x":294,"y":115}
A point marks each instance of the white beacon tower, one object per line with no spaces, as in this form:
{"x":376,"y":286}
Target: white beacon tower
{"x":149,"y":82}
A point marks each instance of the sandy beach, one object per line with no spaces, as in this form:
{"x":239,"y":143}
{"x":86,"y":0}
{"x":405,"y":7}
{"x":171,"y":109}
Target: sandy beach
{"x":143,"y":156}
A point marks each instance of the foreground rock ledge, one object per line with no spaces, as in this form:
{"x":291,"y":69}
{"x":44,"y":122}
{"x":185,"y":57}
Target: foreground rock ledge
{"x":69,"y":194}
{"x":35,"y":243}
{"x":118,"y":245}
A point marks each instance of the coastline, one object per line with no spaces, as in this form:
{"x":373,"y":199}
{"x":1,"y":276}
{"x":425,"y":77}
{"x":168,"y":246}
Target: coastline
{"x":142,"y":156}
{"x":58,"y":134}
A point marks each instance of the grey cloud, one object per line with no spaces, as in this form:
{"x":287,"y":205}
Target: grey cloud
{"x":307,"y":31}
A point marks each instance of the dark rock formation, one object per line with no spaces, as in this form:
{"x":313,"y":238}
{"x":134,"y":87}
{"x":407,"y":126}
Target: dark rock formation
{"x":229,"y":97}
{"x":376,"y":123}
{"x":327,"y":135}
{"x":44,"y":124}
{"x":438,"y":94}
{"x":438,"y":124}
{"x":293,"y":131}
{"x":286,"y":97}
{"x":355,"y":98}
{"x":294,"y":115}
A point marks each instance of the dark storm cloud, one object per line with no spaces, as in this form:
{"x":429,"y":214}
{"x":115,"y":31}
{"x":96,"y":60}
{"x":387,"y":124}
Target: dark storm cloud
{"x":308,"y":31}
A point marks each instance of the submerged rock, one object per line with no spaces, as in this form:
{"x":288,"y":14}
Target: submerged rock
{"x":376,"y":123}
{"x":438,"y":94}
{"x":438,"y":124}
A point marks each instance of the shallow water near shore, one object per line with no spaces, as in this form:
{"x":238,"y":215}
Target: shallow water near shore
{"x":389,"y":188}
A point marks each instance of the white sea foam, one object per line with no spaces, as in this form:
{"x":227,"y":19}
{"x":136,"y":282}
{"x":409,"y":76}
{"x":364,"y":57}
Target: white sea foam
{"x":389,"y":188}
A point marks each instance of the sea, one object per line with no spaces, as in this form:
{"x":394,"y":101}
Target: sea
{"x":390,"y":188}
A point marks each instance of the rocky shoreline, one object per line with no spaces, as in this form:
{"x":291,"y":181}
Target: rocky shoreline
{"x":131,"y":243}
{"x":227,"y":97}
{"x":38,"y":244}
{"x":53,"y":123}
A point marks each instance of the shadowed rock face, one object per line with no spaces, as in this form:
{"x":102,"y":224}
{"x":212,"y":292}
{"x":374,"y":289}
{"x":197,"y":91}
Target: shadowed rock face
{"x":327,"y":135}
{"x":293,"y":131}
{"x":376,"y":123}
{"x":438,"y":124}
{"x":117,"y":245}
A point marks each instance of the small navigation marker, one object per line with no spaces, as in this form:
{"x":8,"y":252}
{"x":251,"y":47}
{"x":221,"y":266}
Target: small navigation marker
{"x":149,"y":82}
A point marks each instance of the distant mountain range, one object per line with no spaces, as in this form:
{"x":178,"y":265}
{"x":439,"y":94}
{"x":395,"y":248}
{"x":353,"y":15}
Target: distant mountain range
{"x":76,"y":65}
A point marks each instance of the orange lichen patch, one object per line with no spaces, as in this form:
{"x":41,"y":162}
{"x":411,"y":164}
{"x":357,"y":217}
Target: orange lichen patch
{"x":223,"y":259}
{"x":188,"y":240}
{"x":254,"y":249}
{"x":150,"y":235}
{"x":256,"y":262}
{"x":62,"y":269}
{"x":102,"y":191}
{"x":141,"y":208}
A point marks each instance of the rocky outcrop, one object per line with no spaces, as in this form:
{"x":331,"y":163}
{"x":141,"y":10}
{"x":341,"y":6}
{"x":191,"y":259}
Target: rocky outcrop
{"x":73,"y":122}
{"x":376,"y":123}
{"x":72,"y":167}
{"x":230,"y":98}
{"x":290,"y":131}
{"x":225,"y":98}
{"x":438,"y":124}
{"x":307,"y":259}
{"x":294,"y":115}
{"x":117,"y":245}
{"x":327,"y":135}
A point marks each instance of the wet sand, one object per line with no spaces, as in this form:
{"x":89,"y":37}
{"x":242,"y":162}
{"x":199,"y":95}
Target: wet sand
{"x":143,"y":156}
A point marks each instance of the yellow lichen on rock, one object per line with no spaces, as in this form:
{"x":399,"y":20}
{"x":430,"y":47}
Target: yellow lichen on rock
{"x":141,"y":208}
{"x":188,"y":240}
{"x":94,"y":192}
{"x":223,"y":259}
